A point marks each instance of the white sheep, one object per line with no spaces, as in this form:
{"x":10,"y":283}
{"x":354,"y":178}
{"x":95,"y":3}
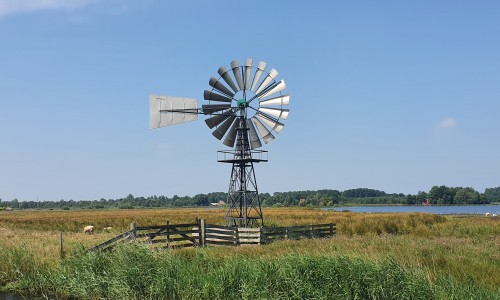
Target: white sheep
{"x":487,"y":214}
{"x":88,"y":229}
{"x":107,"y":228}
{"x":494,"y":215}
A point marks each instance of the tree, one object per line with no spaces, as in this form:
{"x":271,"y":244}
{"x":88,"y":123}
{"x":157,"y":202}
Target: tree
{"x":441,"y":195}
{"x":422,"y":196}
{"x":14,"y":203}
{"x":467,"y":196}
{"x":411,"y":199}
{"x":362,"y":193}
{"x":201,"y":200}
{"x":492,"y":194}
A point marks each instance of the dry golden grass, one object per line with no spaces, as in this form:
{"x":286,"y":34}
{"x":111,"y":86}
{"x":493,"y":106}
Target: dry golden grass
{"x":38,"y":231}
{"x":75,"y":221}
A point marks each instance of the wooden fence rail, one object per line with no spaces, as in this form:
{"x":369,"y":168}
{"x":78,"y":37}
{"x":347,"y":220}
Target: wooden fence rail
{"x":221,"y":235}
{"x":110,"y":243}
{"x":200,"y":234}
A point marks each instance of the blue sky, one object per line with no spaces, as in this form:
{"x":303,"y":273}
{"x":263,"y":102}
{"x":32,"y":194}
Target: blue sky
{"x":392,"y":95}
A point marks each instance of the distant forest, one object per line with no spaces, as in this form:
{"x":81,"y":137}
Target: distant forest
{"x":441,"y":195}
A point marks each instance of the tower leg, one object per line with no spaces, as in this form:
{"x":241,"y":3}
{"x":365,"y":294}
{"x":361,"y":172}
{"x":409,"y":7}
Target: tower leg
{"x":244,"y":205}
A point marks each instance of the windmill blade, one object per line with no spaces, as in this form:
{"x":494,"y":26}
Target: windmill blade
{"x":277,"y":87}
{"x":275,"y":112}
{"x":210,"y":95}
{"x":273,"y":124}
{"x":217,"y":119}
{"x":254,"y":137}
{"x":168,"y":110}
{"x":227,"y":78}
{"x":261,"y":93}
{"x":267,"y":136}
{"x":222,"y":129}
{"x":231,"y":136}
{"x":220,"y":87}
{"x":270,"y":77}
{"x":247,"y":70}
{"x":235,"y":65}
{"x":211,"y":108}
{"x":281,"y":100}
{"x":258,"y":72}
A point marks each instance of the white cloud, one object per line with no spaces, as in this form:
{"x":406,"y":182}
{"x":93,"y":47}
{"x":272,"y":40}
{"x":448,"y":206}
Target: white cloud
{"x":19,"y":6}
{"x":447,"y":123}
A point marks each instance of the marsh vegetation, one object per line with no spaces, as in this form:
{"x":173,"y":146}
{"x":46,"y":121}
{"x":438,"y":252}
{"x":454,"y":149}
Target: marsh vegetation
{"x":373,"y":256}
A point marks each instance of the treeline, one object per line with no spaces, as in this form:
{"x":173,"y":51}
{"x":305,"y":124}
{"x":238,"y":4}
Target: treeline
{"x":440,"y":195}
{"x":125,"y":203}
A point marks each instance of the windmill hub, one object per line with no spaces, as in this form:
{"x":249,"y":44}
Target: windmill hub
{"x":245,"y":107}
{"x":242,"y":103}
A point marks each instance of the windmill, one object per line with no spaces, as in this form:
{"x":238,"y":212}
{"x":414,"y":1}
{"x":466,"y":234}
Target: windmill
{"x":244,"y":107}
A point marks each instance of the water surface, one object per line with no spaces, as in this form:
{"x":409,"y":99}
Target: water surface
{"x":442,"y":210}
{"x":10,"y":296}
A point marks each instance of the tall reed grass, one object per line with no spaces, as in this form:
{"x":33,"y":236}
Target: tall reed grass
{"x":136,"y":272}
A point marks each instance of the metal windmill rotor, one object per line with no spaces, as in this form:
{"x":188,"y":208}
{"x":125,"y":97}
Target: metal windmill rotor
{"x":244,"y":107}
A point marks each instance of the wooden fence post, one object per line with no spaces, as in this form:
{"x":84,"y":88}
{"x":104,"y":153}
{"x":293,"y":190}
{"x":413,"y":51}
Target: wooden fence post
{"x":133,"y":229}
{"x":61,"y":249}
{"x":202,"y":233}
{"x":331,"y":230}
{"x":168,"y":234}
{"x":237,"y":235}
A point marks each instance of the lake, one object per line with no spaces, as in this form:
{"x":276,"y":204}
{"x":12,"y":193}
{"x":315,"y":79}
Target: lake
{"x":441,"y":210}
{"x":10,"y":296}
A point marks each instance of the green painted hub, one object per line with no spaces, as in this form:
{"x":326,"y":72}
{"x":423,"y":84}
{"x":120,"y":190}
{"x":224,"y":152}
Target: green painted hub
{"x":242,"y":103}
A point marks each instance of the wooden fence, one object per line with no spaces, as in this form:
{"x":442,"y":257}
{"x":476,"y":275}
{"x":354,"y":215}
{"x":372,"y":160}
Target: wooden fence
{"x":161,"y":236}
{"x":298,"y":232}
{"x":200,"y":234}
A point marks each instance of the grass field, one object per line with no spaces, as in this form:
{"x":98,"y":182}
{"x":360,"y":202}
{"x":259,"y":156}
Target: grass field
{"x":376,"y":256}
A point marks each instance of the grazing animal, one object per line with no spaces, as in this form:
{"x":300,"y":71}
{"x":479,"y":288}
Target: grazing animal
{"x":494,"y":215}
{"x":487,"y":214}
{"x":88,"y":229}
{"x":108,"y":228}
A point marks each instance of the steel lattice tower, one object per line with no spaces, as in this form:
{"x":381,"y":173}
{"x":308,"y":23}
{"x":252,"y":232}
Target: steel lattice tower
{"x":244,"y":205}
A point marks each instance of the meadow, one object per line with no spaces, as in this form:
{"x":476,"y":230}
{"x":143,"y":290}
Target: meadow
{"x":373,"y":256}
